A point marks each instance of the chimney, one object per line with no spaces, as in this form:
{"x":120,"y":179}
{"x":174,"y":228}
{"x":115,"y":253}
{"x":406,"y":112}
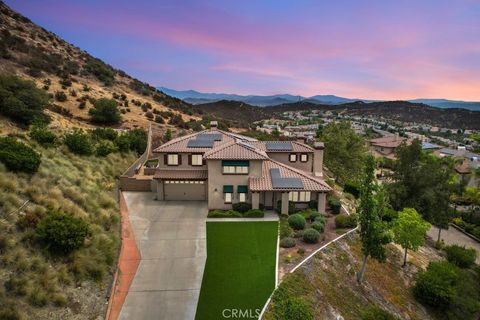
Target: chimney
{"x":318,"y":158}
{"x":213,"y":124}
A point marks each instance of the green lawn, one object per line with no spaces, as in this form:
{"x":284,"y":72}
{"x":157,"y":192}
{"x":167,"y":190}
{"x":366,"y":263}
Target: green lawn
{"x":240,"y":269}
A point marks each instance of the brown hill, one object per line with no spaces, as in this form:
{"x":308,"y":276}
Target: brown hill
{"x":396,"y":110}
{"x":31,"y":52}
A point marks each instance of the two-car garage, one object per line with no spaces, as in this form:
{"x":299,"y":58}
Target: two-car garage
{"x":184,"y":190}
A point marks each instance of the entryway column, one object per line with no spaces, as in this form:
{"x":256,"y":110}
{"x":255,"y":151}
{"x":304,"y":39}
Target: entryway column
{"x":284,"y":202}
{"x":322,"y":202}
{"x":255,"y":200}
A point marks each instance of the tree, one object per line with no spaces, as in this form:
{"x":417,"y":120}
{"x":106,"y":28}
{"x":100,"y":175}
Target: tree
{"x":79,"y":142}
{"x":168,"y":135}
{"x":62,"y":232}
{"x":17,"y":156}
{"x":21,"y":100}
{"x":373,"y":233}
{"x":105,"y":111}
{"x":472,"y":195}
{"x":345,"y":151}
{"x":409,"y":230}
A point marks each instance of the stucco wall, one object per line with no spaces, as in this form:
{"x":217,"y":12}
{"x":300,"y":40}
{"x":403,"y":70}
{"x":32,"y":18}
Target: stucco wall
{"x":133,"y":184}
{"x":184,"y":165}
{"x":284,"y":158}
{"x":216,"y":181}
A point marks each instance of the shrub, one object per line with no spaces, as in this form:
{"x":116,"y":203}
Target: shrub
{"x":335,"y":205}
{"x":79,"y":142}
{"x":292,"y":309}
{"x":313,"y":204}
{"x":287,"y":242}
{"x":100,"y":70}
{"x":224,"y":214}
{"x":461,"y":256}
{"x":17,"y":156}
{"x":104,"y":148}
{"x":159,"y":119}
{"x":62,"y":232}
{"x":105,"y":111}
{"x":319,"y":226}
{"x":104,"y":134}
{"x":285,"y":229}
{"x":352,"y":188}
{"x":241,"y":207}
{"x":315,"y":215}
{"x":376,"y":313}
{"x":306,"y":213}
{"x":436,"y":285}
{"x":321,"y":219}
{"x":311,"y":236}
{"x":345,"y":221}
{"x":40,"y":133}
{"x":21,"y":100}
{"x":60,"y":96}
{"x":135,"y":140}
{"x":254,"y":213}
{"x":296,"y":221}
{"x":149,"y":115}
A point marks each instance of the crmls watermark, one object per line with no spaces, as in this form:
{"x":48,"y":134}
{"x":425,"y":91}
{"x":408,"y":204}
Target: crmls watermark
{"x":241,"y":313}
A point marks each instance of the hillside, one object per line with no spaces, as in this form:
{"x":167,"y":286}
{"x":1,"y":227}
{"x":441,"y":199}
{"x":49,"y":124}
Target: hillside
{"x":238,"y":113}
{"x":395,"y":110}
{"x":74,"y":79}
{"x":328,"y":285}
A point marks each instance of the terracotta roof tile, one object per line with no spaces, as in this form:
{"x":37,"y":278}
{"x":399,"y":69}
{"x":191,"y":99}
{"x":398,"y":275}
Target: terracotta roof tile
{"x":264,"y":183}
{"x":236,"y":151}
{"x":180,"y":144}
{"x":392,"y":141}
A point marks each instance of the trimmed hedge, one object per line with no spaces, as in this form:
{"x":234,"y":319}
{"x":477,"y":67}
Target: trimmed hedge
{"x":461,"y":256}
{"x":17,"y":156}
{"x":224,"y":214}
{"x":254,"y":213}
{"x":297,"y":221}
{"x":288,"y":242}
{"x":345,"y":221}
{"x":242,"y":207}
{"x":311,"y":236}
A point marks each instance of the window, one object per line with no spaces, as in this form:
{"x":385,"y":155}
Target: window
{"x":227,"y":194}
{"x":197,"y":160}
{"x":235,"y":167}
{"x":172,"y":160}
{"x":293,"y":157}
{"x":303,"y":157}
{"x":228,"y":197}
{"x":242,"y":197}
{"x":241,"y":170}
{"x":301,"y":196}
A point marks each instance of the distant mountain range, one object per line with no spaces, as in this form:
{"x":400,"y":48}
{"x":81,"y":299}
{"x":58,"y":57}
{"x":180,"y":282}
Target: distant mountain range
{"x":195,"y":97}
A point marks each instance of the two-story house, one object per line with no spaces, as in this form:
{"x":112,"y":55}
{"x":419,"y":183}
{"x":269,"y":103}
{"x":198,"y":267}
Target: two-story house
{"x":223,"y":168}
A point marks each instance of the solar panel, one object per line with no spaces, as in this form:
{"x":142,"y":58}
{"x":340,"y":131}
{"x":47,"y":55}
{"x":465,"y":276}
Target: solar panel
{"x":200,"y":143}
{"x":279,"y":146}
{"x":210,"y":136}
{"x":284,"y":183}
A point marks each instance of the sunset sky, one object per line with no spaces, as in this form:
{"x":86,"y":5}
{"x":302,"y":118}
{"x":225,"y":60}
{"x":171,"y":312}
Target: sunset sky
{"x":357,"y":49}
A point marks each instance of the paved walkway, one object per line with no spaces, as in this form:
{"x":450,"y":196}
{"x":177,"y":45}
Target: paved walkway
{"x":453,"y":236}
{"x":171,"y":236}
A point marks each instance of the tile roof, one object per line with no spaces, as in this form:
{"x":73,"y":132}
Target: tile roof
{"x":197,"y":174}
{"x":391,"y":141}
{"x":264,"y":183}
{"x":181,"y":144}
{"x":235,"y":151}
{"x":296,"y":146}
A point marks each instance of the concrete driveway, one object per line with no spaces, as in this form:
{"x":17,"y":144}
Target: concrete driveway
{"x":171,"y":236}
{"x":454,"y":236}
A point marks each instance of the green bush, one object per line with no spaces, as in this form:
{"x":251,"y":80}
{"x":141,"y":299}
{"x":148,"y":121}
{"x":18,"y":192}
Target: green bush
{"x":376,"y":313}
{"x":285,"y":229}
{"x":79,"y":142}
{"x":62,"y":232}
{"x":40,"y":133}
{"x":297,"y":221}
{"x":134,"y":140}
{"x":436,"y":286}
{"x":322,"y":219}
{"x":60,"y":96}
{"x":254,"y":213}
{"x":291,"y":207}
{"x":224,"y":214}
{"x":104,"y":134}
{"x":292,"y":309}
{"x":287,"y":242}
{"x":319,"y":226}
{"x":241,"y":207}
{"x":21,"y":100}
{"x":17,"y":156}
{"x":100,"y":70}
{"x":311,"y":235}
{"x":104,"y":148}
{"x":346,"y":221}
{"x":335,"y":205}
{"x":313,"y":204}
{"x":314,"y":216}
{"x":105,"y":111}
{"x":352,"y":188}
{"x":461,"y":256}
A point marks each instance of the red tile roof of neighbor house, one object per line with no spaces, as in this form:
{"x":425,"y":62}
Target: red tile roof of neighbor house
{"x":464,"y":167}
{"x":264,"y":183}
{"x":392,"y":141}
{"x":235,"y":151}
{"x":186,"y":174}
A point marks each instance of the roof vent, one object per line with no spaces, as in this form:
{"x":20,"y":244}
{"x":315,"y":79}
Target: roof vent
{"x":213,"y":124}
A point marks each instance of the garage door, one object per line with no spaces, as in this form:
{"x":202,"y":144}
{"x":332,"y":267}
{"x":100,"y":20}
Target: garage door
{"x":185,"y":190}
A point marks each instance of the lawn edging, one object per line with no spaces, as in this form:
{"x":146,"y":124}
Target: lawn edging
{"x":301,"y":263}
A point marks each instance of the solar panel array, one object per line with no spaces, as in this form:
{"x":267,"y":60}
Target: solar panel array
{"x":204,"y":140}
{"x":284,"y":183}
{"x":279,"y":146}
